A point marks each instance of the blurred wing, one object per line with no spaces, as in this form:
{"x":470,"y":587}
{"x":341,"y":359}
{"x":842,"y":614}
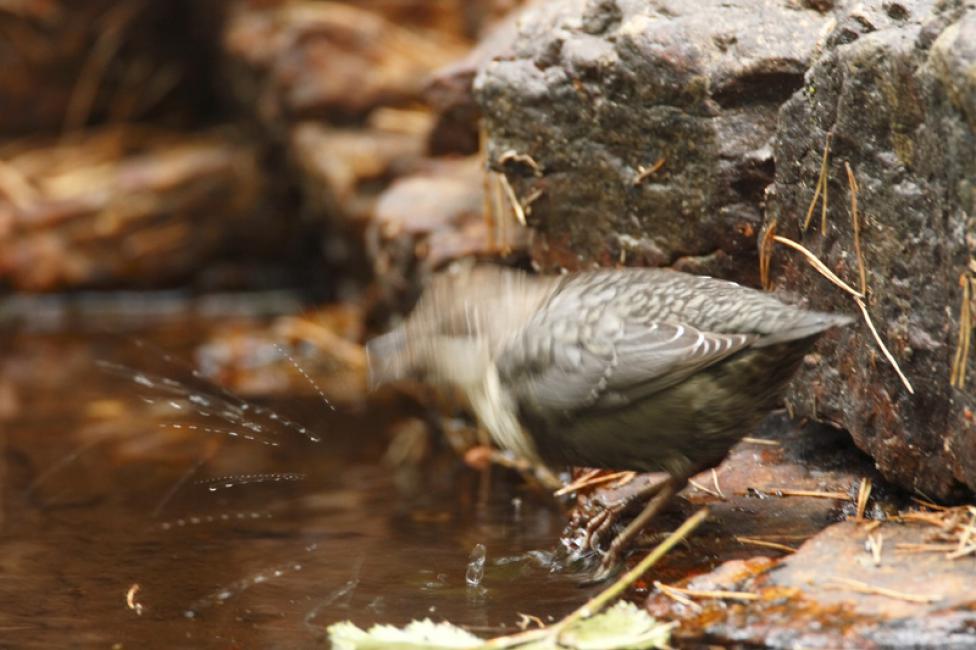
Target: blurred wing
{"x":566,"y":373}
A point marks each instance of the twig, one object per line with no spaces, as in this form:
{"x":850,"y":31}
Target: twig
{"x":766,"y":254}
{"x":643,"y":173}
{"x":928,"y":504}
{"x":863,"y":494}
{"x":676,"y":595}
{"x":865,"y":588}
{"x":761,"y":542}
{"x":130,"y":599}
{"x":819,"y":266}
{"x":718,"y":595}
{"x":718,"y":488}
{"x":856,"y":221}
{"x":858,"y":298}
{"x":957,"y":378}
{"x":884,"y":349}
{"x":761,"y":441}
{"x":601,"y":600}
{"x":698,"y":486}
{"x":817,"y":494}
{"x":590,"y":480}
{"x":821,"y":188}
{"x":582,"y":481}
{"x":513,"y":156}
{"x":512,"y":199}
{"x":873,"y":525}
{"x":874,"y":545}
{"x":911,"y":547}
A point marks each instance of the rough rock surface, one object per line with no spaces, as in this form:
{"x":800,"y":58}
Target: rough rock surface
{"x":599,"y":93}
{"x":896,"y":90}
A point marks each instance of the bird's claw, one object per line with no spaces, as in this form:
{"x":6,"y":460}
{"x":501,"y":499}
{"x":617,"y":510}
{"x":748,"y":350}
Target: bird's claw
{"x":600,"y":524}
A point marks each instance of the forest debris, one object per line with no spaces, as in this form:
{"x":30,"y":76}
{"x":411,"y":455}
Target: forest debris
{"x":967,"y":281}
{"x":884,"y":348}
{"x":858,"y":299}
{"x":856,"y":223}
{"x":512,"y":199}
{"x":766,"y":254}
{"x":954,"y":534}
{"x":822,"y":268}
{"x":593,"y":478}
{"x":816,"y":494}
{"x":874,"y":545}
{"x":865,"y":588}
{"x":130,"y":599}
{"x":764,"y":543}
{"x":863,"y":494}
{"x":715,"y":595}
{"x":643,"y":172}
{"x":761,"y":441}
{"x":821,"y":188}
{"x":513,"y":156}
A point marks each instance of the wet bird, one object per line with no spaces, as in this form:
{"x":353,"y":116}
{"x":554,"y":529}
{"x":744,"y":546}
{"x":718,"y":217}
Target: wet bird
{"x":650,"y":370}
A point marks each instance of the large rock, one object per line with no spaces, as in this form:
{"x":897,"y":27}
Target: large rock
{"x":896,"y":89}
{"x":599,"y":93}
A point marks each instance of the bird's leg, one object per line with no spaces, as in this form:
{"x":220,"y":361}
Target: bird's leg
{"x":663,"y":493}
{"x":613,"y":508}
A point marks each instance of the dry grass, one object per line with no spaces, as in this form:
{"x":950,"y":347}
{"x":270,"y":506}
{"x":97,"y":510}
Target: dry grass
{"x":643,"y":173}
{"x":713,"y":595}
{"x":856,"y":225}
{"x":766,"y":254}
{"x":821,"y":189}
{"x":967,"y":314}
{"x":865,"y":588}
{"x":594,"y":478}
{"x":863,"y":494}
{"x":764,"y":544}
{"x":953,"y":530}
{"x":814,"y":494}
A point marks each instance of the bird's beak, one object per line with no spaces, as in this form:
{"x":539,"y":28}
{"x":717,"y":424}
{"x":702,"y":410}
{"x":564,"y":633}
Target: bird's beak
{"x":386,"y":358}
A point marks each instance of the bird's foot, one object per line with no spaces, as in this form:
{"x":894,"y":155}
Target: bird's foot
{"x":602,"y":523}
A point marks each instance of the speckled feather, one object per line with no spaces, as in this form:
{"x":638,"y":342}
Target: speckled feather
{"x":640,"y":369}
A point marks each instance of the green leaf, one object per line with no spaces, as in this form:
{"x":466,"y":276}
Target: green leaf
{"x":417,"y":635}
{"x":622,"y":627}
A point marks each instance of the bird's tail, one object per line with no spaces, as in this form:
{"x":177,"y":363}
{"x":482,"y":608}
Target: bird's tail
{"x":807,"y":324}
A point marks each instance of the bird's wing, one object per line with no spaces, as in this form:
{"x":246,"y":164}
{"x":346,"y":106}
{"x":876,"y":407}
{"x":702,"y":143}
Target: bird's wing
{"x":564,"y":367}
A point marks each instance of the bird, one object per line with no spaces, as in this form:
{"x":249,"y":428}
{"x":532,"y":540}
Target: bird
{"x":642,"y":369}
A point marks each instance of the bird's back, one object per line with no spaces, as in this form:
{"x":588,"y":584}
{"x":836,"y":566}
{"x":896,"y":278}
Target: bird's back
{"x":652,"y":369}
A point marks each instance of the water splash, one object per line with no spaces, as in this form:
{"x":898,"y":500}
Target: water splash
{"x":475,"y":572}
{"x":233,"y":589}
{"x":236,"y":480}
{"x":297,"y":366}
{"x":221,"y":518}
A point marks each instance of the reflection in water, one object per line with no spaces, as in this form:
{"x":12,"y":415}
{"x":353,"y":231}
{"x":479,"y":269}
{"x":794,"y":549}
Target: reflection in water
{"x":141,"y":506}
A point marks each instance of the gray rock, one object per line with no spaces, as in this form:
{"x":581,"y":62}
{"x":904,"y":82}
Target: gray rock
{"x":596,"y":91}
{"x":896,"y":89}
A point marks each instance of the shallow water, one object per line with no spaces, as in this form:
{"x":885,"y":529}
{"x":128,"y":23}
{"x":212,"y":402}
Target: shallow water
{"x":122,"y":525}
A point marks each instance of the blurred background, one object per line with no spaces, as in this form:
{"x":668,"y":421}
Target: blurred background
{"x":208,"y":206}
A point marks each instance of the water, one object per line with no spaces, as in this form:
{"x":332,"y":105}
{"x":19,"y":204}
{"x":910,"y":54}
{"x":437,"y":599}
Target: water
{"x":138,"y":507}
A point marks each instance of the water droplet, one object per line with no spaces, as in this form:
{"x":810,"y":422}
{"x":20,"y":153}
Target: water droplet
{"x":475,"y":572}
